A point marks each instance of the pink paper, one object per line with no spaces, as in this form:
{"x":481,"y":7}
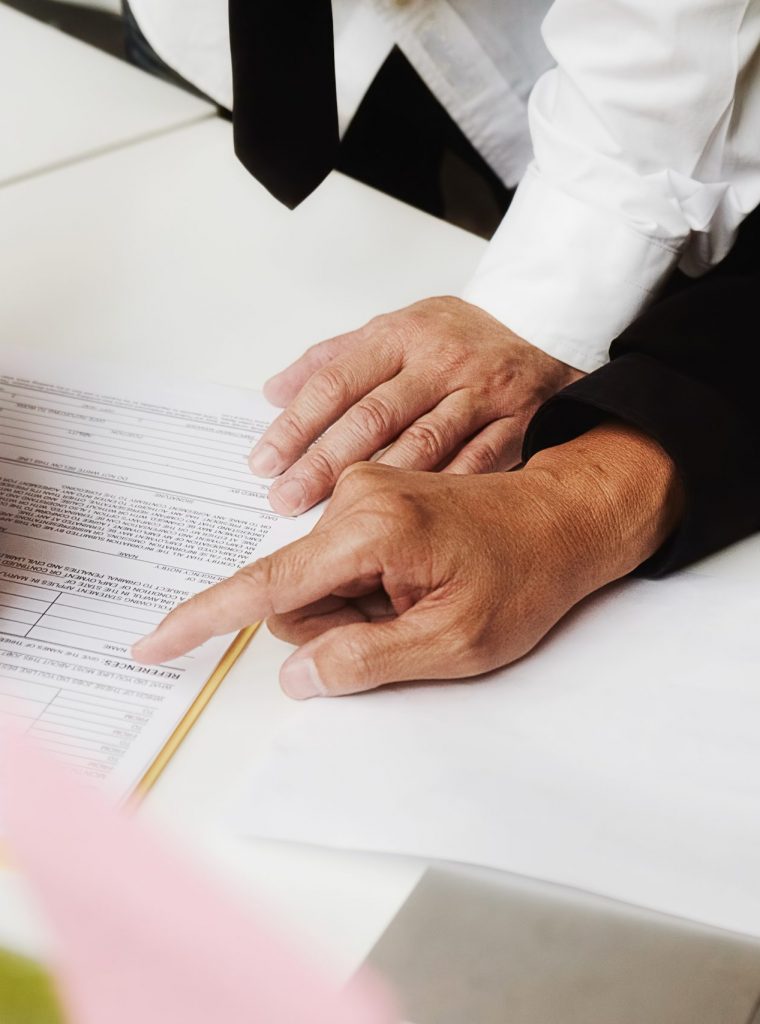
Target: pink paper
{"x":141,"y":934}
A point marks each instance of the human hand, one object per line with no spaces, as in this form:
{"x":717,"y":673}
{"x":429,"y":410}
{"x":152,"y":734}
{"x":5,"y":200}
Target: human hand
{"x":416,"y":575}
{"x":440,"y":380}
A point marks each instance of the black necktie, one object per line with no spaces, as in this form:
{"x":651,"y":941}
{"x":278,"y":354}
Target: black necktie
{"x":285,"y":112}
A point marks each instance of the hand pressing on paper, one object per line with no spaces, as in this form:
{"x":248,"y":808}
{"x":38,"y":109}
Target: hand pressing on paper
{"x":415,"y":575}
{"x":441,"y":381}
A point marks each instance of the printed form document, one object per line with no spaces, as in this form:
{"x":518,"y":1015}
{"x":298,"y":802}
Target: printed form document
{"x":120,"y":496}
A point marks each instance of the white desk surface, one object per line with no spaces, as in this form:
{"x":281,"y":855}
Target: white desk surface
{"x":61,"y":100}
{"x":169,"y":254}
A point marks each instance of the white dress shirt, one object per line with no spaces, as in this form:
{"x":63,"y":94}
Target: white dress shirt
{"x":632,"y":128}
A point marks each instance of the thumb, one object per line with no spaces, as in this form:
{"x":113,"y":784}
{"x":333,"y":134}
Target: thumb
{"x":363,"y":656}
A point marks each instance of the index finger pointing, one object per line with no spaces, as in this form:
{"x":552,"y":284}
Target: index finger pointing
{"x":297,"y":575}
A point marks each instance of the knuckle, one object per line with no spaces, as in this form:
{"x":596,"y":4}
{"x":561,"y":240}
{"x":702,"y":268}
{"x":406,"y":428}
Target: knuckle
{"x":494,"y":394}
{"x":415,"y":319}
{"x":291,"y":424}
{"x":466,"y":646}
{"x":489,"y":458}
{"x":412,"y":327}
{"x":331,"y":384}
{"x":357,"y":482}
{"x":380,"y":330}
{"x":427,"y":438}
{"x":372,"y":417}
{"x":315,"y":352}
{"x":485,"y":458}
{"x":319,"y":464}
{"x":400,"y":329}
{"x":376,"y":322}
{"x":401,"y":514}
{"x":257,"y":575}
{"x":359,"y":477}
{"x":452,"y":357}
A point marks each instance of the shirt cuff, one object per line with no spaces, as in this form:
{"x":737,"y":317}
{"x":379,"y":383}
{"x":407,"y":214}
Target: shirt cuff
{"x":568,"y":276}
{"x":701,"y":432}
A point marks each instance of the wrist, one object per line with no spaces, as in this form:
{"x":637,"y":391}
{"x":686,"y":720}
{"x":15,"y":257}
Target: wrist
{"x":614,"y":496}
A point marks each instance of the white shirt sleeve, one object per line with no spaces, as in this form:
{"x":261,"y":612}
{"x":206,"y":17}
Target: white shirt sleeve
{"x":645,"y":156}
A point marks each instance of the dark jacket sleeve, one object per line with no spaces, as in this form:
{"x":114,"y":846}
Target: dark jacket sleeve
{"x":687,"y":373}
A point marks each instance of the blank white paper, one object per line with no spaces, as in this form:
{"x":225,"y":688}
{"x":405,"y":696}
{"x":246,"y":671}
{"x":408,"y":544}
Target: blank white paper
{"x":621,"y":757}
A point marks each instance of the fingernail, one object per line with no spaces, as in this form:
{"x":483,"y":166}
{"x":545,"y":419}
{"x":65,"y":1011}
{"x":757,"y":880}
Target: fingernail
{"x":288,"y":497}
{"x":142,"y":644}
{"x":300,"y":680}
{"x":264,"y":460}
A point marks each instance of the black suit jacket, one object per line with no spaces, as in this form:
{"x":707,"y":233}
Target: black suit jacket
{"x":688,"y":374}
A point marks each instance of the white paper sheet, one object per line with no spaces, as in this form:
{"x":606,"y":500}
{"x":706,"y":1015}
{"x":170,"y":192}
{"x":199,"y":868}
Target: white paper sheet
{"x":120,"y":496}
{"x":622,"y":757}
